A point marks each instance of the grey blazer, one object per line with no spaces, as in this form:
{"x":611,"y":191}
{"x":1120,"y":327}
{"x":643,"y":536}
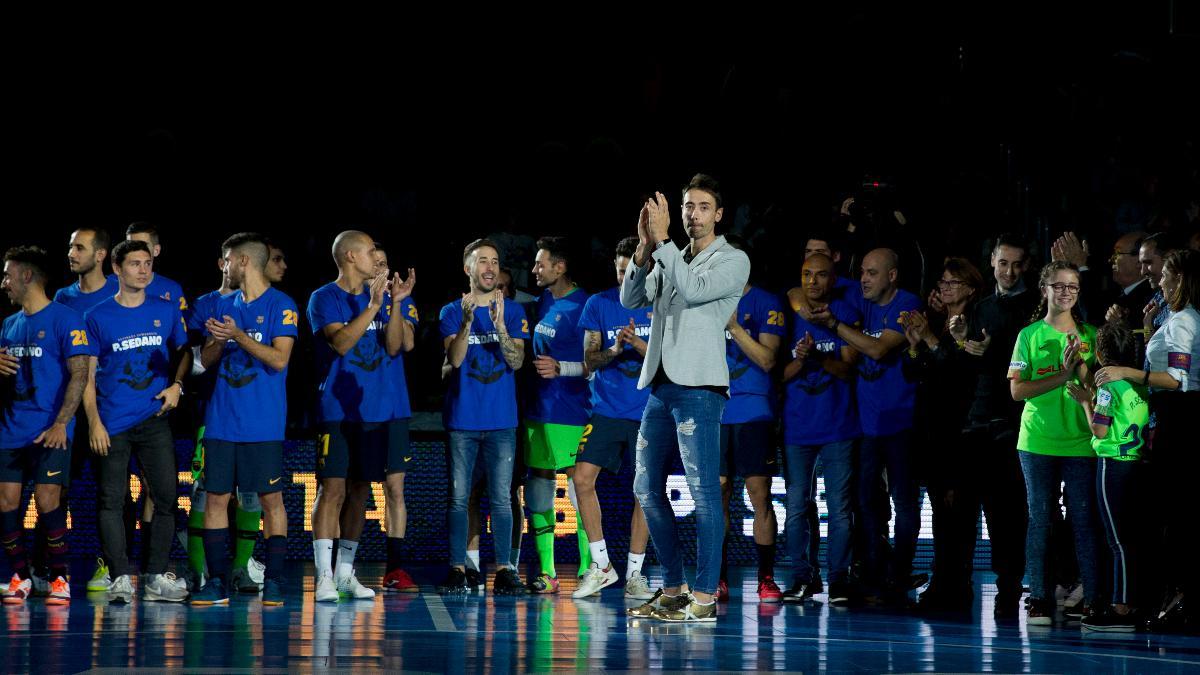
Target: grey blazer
{"x":692,"y":304}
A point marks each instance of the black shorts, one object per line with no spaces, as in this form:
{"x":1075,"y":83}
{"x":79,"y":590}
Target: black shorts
{"x":42,"y":465}
{"x":249,"y":467}
{"x":399,"y":454}
{"x":748,"y":449}
{"x":605,"y":441}
{"x":353,"y":450}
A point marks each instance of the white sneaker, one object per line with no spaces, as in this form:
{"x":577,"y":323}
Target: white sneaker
{"x":164,"y":587}
{"x":243,"y":580}
{"x":637,"y":587}
{"x":350,"y":586}
{"x":41,"y":586}
{"x":258,"y":572}
{"x":121,"y":590}
{"x":596,"y":579}
{"x":1075,"y":597}
{"x":326,"y":590}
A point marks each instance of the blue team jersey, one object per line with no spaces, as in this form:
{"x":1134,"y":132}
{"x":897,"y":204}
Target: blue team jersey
{"x":614,"y":387}
{"x":560,"y":400}
{"x":355,"y":387}
{"x":750,"y":387}
{"x":249,"y":400}
{"x":202,"y":310}
{"x":400,"y":405}
{"x":818,"y":407}
{"x":885,"y":395}
{"x":482,"y":393}
{"x":133,"y":348}
{"x":162,"y":287}
{"x":849,"y":291}
{"x":81,"y":302}
{"x":42,"y":342}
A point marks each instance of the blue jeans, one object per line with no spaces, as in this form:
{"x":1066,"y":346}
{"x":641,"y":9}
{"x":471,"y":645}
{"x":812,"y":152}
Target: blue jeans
{"x":687,"y":419}
{"x":893,"y":453}
{"x":498,"y":449}
{"x":800,"y":470}
{"x":1116,"y":490}
{"x":1043,"y":475}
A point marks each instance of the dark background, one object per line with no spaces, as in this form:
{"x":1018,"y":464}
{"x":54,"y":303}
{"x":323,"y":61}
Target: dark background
{"x":1018,"y":118}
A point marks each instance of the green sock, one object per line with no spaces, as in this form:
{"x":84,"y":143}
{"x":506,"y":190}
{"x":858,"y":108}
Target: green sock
{"x":195,"y":541}
{"x":247,"y":536}
{"x":585,"y":551}
{"x":543,"y":536}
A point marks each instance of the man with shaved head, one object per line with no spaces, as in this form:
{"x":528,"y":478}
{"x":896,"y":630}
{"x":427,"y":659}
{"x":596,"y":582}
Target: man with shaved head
{"x":354,"y":338}
{"x":885,"y":410}
{"x":819,"y":421}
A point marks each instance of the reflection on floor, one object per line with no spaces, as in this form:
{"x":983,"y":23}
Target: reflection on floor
{"x":427,"y":632}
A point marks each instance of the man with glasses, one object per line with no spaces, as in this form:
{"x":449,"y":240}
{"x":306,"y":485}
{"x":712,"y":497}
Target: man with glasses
{"x":1135,"y":290}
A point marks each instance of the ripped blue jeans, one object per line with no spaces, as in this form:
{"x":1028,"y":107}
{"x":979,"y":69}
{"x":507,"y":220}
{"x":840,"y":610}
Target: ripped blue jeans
{"x":687,"y":420}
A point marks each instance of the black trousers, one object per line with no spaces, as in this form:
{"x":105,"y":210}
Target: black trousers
{"x":986,"y":476}
{"x":154,"y":445}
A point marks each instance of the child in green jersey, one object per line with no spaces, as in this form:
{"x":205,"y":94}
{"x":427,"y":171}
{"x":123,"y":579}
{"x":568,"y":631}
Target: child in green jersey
{"x":1054,"y":440}
{"x":1119,"y":414}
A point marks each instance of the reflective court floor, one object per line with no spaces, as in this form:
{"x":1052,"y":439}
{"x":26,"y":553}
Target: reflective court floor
{"x":482,"y":633}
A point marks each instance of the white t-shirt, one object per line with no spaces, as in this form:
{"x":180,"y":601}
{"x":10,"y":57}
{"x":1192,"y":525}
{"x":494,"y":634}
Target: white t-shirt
{"x":1175,"y":348}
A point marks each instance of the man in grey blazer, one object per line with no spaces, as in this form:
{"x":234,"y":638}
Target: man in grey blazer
{"x":693,"y":292}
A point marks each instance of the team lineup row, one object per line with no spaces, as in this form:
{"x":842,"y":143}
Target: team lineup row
{"x":853,"y":381}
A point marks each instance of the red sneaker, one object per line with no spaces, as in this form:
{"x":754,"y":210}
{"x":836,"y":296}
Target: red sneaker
{"x":398,"y":581}
{"x":722,"y":594}
{"x":768,"y":591}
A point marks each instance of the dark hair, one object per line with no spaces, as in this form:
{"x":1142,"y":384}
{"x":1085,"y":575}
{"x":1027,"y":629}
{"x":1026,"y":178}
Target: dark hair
{"x":707,"y":183}
{"x":100,"y":238}
{"x":831,"y":238}
{"x":477,"y":244}
{"x":627,"y":247}
{"x":559,"y":249}
{"x":1012,"y":240}
{"x":1044,"y":278}
{"x":142,"y":227}
{"x":1116,"y":346}
{"x":1184,"y":263}
{"x":1162,"y":241}
{"x":252,"y":244}
{"x":963,"y":270}
{"x":33,"y":258}
{"x":378,"y":247}
{"x":124,"y":248}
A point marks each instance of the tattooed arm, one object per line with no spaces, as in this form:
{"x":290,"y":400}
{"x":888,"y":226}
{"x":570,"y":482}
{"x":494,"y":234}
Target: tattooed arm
{"x":593,"y":355}
{"x":514,"y":349}
{"x":56,"y":435}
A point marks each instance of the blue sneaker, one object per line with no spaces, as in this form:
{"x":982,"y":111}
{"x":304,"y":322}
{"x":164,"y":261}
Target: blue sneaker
{"x":272,"y":593}
{"x":213,"y":593}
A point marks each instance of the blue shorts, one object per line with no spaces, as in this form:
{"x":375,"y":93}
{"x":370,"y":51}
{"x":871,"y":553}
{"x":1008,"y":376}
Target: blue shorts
{"x":355,"y":451}
{"x":249,"y":467}
{"x":44,"y":466}
{"x":748,"y":449}
{"x":606,"y":440}
{"x":399,"y":454}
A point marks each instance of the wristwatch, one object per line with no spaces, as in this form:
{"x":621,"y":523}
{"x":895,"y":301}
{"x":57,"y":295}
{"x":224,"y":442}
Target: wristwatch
{"x":662,"y":243}
{"x":180,"y":383}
